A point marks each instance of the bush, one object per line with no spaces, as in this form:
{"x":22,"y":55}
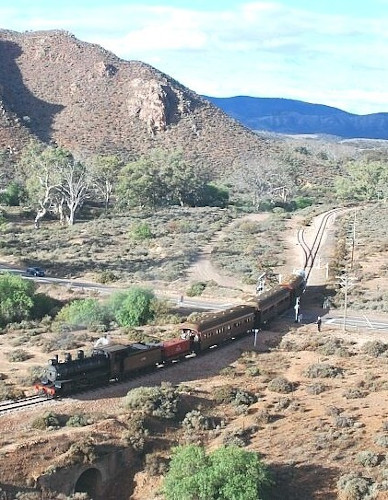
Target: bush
{"x":382,"y":440}
{"x":354,"y":487}
{"x":195,"y":421}
{"x":323,"y":370}
{"x":16,"y":298}
{"x":156,"y":465}
{"x":229,"y":473}
{"x":160,"y":401}
{"x":141,"y":232}
{"x":281,"y":384}
{"x":316,"y":388}
{"x":18,"y":355}
{"x":354,"y":393}
{"x":9,"y":391}
{"x":136,"y":432}
{"x":79,"y":420}
{"x":367,"y":458}
{"x":196,"y":289}
{"x":83,"y":312}
{"x":133,"y":307}
{"x":44,"y":306}
{"x":45,"y":421}
{"x":82,"y":452}
{"x":374,"y":348}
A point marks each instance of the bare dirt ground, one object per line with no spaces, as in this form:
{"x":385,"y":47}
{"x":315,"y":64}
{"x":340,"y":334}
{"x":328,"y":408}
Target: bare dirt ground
{"x":308,"y":438}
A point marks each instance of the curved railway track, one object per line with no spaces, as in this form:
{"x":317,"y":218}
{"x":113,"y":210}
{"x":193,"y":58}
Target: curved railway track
{"x":310,"y":252}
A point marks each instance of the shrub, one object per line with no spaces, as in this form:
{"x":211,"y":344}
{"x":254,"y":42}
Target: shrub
{"x":281,"y":384}
{"x":46,"y":421}
{"x":228,"y":473}
{"x":133,"y":307}
{"x":238,"y":397}
{"x":252,"y":371}
{"x":156,"y":465}
{"x":316,"y":388}
{"x":136,"y":432}
{"x":354,"y":393}
{"x":374,"y":348}
{"x":196,"y":289}
{"x":18,"y":355}
{"x":354,"y":486}
{"x":367,"y":458}
{"x":83,"y":312}
{"x":44,"y":306}
{"x":342,"y":421}
{"x":141,"y":232}
{"x":9,"y":391}
{"x":79,"y":420}
{"x":195,"y":421}
{"x":382,"y":440}
{"x":82,"y":452}
{"x":323,"y":370}
{"x":160,"y":401}
{"x":16,"y":298}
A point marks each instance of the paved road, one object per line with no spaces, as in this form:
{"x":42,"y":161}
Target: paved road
{"x":186,"y":303}
{"x":353,"y":322}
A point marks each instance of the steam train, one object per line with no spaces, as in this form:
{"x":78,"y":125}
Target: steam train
{"x":116,"y":362}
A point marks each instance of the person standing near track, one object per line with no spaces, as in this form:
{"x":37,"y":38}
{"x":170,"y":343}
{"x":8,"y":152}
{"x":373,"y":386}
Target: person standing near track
{"x":319,"y":323}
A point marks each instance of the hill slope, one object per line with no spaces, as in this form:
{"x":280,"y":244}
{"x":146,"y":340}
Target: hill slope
{"x":288,"y":116}
{"x":86,"y":99}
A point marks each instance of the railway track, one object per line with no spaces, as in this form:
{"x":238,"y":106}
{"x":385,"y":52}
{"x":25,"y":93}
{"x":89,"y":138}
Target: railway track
{"x":310,"y":252}
{"x":13,"y":405}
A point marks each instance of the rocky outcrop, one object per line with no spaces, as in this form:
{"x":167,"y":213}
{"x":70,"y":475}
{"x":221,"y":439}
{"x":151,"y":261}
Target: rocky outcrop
{"x":89,"y":101}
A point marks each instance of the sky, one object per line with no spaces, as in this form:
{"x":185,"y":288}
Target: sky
{"x":332,"y":52}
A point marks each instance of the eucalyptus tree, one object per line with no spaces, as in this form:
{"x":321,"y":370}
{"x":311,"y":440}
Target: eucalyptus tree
{"x":104,"y":173}
{"x":55,"y":182}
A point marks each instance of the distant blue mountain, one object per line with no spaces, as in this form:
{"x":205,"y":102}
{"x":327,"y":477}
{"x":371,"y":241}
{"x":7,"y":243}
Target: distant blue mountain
{"x":288,"y":116}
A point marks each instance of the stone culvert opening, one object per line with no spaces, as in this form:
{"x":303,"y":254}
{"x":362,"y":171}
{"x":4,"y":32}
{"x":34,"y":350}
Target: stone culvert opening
{"x":90,"y":482}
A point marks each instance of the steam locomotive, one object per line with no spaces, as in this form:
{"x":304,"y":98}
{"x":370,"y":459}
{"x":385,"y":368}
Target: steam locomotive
{"x":116,"y":362}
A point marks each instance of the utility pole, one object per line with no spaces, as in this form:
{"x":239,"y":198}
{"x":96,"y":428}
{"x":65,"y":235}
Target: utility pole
{"x":353,"y":239}
{"x":346,"y":282}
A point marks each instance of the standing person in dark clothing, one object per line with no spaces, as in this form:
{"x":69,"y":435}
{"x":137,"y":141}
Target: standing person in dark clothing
{"x":319,"y":323}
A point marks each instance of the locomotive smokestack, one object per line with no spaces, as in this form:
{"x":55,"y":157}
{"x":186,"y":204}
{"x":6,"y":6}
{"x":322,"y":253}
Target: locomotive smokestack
{"x":80,"y":354}
{"x":67,"y":357}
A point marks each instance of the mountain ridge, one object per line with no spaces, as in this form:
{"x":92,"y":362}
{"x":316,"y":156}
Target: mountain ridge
{"x":290,"y":116}
{"x":86,"y":99}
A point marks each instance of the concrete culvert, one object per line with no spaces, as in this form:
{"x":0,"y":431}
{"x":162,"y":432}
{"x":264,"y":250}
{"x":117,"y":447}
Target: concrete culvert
{"x":89,"y":482}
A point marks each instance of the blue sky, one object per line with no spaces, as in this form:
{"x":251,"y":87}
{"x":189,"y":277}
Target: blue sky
{"x":332,"y":52}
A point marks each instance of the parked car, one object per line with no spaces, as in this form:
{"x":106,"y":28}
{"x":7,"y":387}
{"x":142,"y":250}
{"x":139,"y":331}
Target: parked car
{"x":35,"y":271}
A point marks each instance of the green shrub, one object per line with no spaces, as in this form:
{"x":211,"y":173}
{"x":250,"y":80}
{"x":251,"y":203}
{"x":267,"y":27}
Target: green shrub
{"x":46,"y":421}
{"x":44,"y":306}
{"x":160,"y":401}
{"x":228,"y":473}
{"x":196,"y":289}
{"x":79,"y":420}
{"x":141,"y":232}
{"x":83,"y":312}
{"x":16,"y":298}
{"x":82,"y":452}
{"x":133,"y":307}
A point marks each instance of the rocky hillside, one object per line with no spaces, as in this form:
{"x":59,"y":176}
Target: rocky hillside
{"x":287,"y":116}
{"x":89,"y":101}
